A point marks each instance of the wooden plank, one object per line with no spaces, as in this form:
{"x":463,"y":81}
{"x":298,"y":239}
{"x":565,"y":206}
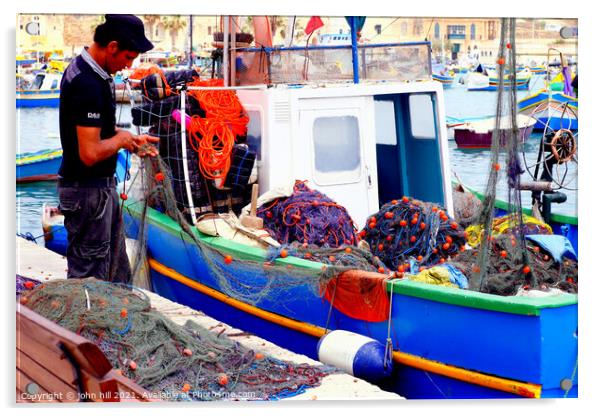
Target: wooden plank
{"x":49,"y":356}
{"x":86,"y":353}
{"x":39,"y":354}
{"x":44,"y":378}
{"x":130,"y":391}
{"x":41,"y":395}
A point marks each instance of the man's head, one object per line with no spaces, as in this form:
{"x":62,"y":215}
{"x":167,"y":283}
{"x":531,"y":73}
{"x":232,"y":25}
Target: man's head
{"x":122,"y":38}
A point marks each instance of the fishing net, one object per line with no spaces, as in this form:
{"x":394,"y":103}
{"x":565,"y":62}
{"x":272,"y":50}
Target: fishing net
{"x":506,"y":268}
{"x":308,"y":216}
{"x":507,"y":224}
{"x":24,"y":284}
{"x":340,"y":259}
{"x":506,"y":106}
{"x":175,"y":362}
{"x":409,"y":229}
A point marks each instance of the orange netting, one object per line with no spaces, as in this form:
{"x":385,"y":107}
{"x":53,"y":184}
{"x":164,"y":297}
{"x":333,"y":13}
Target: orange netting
{"x":359,"y":295}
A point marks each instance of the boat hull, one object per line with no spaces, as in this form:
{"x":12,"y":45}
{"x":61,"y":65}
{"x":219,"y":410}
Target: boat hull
{"x":552,"y":109}
{"x":468,"y":139}
{"x":40,"y":166}
{"x":452,"y":335}
{"x":28,"y":99}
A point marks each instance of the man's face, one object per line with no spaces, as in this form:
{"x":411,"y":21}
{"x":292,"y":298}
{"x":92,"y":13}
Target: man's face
{"x":118,"y":59}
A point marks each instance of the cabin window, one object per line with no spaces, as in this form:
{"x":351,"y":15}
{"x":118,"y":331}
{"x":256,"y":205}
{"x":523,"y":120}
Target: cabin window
{"x":336,"y":142}
{"x":55,"y":84}
{"x":422,"y":117}
{"x":39,"y":80}
{"x":385,"y":122}
{"x":254,"y":132}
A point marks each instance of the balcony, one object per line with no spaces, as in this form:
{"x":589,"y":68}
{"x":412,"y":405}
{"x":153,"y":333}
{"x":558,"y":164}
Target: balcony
{"x":456,"y":36}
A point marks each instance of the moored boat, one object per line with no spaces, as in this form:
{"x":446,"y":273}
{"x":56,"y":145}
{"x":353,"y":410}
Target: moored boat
{"x":362,"y":144}
{"x":478,"y":134}
{"x":44,"y":91}
{"x":38,"y":166}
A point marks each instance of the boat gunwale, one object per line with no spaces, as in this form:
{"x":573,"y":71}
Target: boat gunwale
{"x":459,"y":297}
{"x":557,"y":218}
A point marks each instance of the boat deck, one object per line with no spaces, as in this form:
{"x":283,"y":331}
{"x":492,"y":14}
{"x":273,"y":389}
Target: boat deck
{"x":35,"y":261}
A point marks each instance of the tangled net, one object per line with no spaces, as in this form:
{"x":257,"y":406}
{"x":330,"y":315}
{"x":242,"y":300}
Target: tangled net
{"x":412,"y":229}
{"x":175,"y":362}
{"x":508,"y":224}
{"x":308,"y":216}
{"x":338,"y":259}
{"x":24,"y":284}
{"x":506,"y":271}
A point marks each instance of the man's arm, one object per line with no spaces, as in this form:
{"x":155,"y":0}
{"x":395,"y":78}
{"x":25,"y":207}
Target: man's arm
{"x":92,"y":150}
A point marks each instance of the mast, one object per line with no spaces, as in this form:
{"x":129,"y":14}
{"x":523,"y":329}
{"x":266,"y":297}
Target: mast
{"x":225,"y":54}
{"x":190,"y":44}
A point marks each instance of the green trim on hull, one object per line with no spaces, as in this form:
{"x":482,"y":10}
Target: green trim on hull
{"x":514,"y":305}
{"x":517,"y":305}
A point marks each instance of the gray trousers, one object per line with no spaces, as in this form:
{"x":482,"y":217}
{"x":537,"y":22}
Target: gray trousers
{"x":95,"y":237}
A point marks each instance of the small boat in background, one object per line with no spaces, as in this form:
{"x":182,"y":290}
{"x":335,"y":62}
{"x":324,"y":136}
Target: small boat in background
{"x":42,"y":91}
{"x":537,"y":69}
{"x":478,"y":134}
{"x":39,"y":166}
{"x":442,"y":75}
{"x":550,"y":108}
{"x":446,"y":80}
{"x":55,"y":234}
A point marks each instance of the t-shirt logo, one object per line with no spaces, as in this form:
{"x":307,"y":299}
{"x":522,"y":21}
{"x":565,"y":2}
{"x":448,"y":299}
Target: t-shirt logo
{"x":94,"y":115}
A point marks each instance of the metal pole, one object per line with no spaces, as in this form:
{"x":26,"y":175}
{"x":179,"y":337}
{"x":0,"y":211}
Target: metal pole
{"x":225,"y":54}
{"x":190,"y":40}
{"x":233,"y":51}
{"x":354,"y":58}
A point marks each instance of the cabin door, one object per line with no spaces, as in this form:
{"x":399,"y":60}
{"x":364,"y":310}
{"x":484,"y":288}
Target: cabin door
{"x":335,"y":151}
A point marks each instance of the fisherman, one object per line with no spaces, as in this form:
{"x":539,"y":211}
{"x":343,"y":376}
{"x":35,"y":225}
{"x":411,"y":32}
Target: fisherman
{"x":90,"y":140}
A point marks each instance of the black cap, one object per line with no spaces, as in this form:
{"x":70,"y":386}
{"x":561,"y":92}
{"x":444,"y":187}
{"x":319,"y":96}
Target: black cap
{"x":131,"y":29}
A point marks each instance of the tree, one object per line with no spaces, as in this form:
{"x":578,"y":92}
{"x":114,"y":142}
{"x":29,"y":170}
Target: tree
{"x":150,"y":20}
{"x":174,"y":24}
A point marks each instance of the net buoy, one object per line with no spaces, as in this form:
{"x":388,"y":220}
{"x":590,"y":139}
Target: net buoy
{"x":355,"y":354}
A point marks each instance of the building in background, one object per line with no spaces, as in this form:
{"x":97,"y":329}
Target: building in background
{"x":451,"y":38}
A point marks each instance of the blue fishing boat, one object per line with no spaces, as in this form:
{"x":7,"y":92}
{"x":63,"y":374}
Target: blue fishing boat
{"x":42,"y":165}
{"x":446,"y":80}
{"x":445,"y":342}
{"x":42,"y":91}
{"x":553,"y":110}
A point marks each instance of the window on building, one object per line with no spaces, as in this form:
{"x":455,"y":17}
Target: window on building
{"x":404,"y":28}
{"x":473,"y":31}
{"x":378,"y":29}
{"x":209,"y":30}
{"x":336,"y":143}
{"x":456,"y":30}
{"x":437,"y":28}
{"x":491,"y":29}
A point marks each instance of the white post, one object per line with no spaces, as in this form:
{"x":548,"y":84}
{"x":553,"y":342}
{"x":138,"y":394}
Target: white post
{"x":225,"y":52}
{"x":185,"y":156}
{"x":233,"y":27}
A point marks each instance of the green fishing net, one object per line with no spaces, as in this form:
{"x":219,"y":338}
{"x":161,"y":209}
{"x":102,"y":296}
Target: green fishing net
{"x":174,"y":362}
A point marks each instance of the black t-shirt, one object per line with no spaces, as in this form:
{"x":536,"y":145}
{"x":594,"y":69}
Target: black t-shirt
{"x":86,"y":100}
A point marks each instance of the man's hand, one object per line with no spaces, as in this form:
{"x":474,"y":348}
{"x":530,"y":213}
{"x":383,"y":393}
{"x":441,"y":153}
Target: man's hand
{"x":144,"y":145}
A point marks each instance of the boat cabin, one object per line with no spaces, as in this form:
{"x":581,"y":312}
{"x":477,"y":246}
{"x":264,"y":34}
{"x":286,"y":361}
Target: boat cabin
{"x":362,"y":144}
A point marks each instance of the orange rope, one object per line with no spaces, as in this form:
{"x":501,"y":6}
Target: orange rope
{"x":213,"y":137}
{"x":144,"y":71}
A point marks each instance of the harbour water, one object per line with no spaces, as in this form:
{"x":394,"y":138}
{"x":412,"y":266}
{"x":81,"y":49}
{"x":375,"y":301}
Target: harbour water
{"x":38,"y":128}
